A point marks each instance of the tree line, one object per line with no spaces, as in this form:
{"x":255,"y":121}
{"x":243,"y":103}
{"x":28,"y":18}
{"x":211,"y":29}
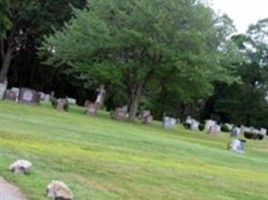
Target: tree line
{"x":173,"y":57}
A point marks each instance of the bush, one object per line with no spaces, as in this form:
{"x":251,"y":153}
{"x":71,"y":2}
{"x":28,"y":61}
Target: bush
{"x":253,"y":136}
{"x":225,"y":128}
{"x":187,"y":125}
{"x":201,"y":127}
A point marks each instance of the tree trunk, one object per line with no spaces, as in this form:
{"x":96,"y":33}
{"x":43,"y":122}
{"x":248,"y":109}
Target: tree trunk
{"x":135,"y":97}
{"x":5,"y":65}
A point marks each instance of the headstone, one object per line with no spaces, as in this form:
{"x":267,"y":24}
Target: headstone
{"x":29,"y":96}
{"x":146,"y":117}
{"x":91,"y":108}
{"x":20,"y":166}
{"x":3,"y":87}
{"x":169,"y":122}
{"x":42,"y":95}
{"x":62,"y":105}
{"x":263,"y":131}
{"x":59,"y":190}
{"x":209,"y":123}
{"x":46,"y":97}
{"x":214,"y":129}
{"x":237,"y":145}
{"x":100,"y":97}
{"x":120,"y":114}
{"x":17,"y":91}
{"x":10,"y":95}
{"x":71,"y":100}
{"x":195,"y":125}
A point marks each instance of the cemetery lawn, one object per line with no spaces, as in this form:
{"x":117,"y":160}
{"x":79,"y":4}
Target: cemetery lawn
{"x":103,"y":159}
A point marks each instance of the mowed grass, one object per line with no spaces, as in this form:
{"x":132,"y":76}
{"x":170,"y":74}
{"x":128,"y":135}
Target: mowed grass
{"x":104,"y":159}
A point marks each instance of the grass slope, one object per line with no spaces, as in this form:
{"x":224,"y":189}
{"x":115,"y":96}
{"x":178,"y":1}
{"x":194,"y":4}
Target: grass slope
{"x":103,"y":159}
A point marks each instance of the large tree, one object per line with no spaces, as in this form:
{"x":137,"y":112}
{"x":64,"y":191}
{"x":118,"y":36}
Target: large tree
{"x":142,"y":41}
{"x":245,"y":103}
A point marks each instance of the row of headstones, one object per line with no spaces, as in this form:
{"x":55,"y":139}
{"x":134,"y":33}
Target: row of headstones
{"x":29,"y":96}
{"x":120,"y":113}
{"x":55,"y":189}
{"x":210,"y":126}
{"x":248,"y":132}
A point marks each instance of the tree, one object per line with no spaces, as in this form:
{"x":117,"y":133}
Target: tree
{"x":141,"y":42}
{"x":245,"y":103}
{"x":24,"y":23}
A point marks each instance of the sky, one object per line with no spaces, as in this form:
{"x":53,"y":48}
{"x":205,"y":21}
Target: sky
{"x":242,"y":12}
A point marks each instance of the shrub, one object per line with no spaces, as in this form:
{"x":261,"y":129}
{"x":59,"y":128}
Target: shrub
{"x":225,"y":128}
{"x":201,"y":127}
{"x":254,"y":136}
{"x":187,"y":125}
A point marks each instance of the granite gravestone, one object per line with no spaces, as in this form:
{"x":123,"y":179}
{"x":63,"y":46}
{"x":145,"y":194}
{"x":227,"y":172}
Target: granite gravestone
{"x":146,"y":117}
{"x":91,"y":108}
{"x":17,"y":92}
{"x":237,"y":145}
{"x":120,"y":114}
{"x":28,"y":96}
{"x":62,"y":105}
{"x":169,"y":122}
{"x":10,"y":95}
{"x":3,"y":87}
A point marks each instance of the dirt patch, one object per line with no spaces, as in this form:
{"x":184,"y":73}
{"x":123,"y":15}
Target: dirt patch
{"x":9,"y":191}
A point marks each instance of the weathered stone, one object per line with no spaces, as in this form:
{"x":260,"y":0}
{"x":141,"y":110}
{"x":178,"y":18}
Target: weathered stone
{"x":59,"y":190}
{"x":20,"y":166}
{"x":10,"y":95}
{"x":29,"y":96}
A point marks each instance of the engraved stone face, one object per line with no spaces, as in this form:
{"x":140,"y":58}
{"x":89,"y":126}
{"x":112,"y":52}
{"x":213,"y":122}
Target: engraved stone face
{"x":27,"y":95}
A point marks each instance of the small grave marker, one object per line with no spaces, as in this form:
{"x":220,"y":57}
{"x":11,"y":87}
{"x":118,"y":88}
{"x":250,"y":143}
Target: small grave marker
{"x":146,"y":117}
{"x":120,"y":114}
{"x":62,"y":105}
{"x":169,"y":122}
{"x":10,"y":95}
{"x":91,"y":108}
{"x":29,"y":96}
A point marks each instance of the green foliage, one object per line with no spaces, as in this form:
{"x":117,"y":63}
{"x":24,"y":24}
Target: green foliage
{"x":144,"y":43}
{"x":225,"y":128}
{"x":244,"y":102}
{"x":5,"y":22}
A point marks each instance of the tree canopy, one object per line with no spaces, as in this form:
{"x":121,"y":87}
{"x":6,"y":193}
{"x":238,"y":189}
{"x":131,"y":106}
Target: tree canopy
{"x":142,"y":42}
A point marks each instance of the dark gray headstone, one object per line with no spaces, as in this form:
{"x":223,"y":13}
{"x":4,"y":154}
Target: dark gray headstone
{"x":10,"y":95}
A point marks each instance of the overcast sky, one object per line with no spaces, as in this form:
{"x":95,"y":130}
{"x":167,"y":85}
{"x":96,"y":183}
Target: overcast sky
{"x":242,"y":12}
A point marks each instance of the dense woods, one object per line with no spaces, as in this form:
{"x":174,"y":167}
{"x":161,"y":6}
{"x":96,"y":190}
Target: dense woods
{"x":173,"y":57}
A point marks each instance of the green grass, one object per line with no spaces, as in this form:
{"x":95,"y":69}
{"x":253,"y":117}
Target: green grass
{"x":103,"y":159}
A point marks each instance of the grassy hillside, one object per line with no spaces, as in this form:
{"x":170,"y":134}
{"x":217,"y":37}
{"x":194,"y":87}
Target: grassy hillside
{"x":103,"y":159}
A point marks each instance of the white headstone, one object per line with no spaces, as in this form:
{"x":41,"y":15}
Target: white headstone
{"x":16,"y":91}
{"x":263,"y":131}
{"x":46,"y":97}
{"x":169,"y":122}
{"x":3,"y":88}
{"x":27,"y":95}
{"x":71,"y":100}
{"x":195,"y":125}
{"x":238,"y":145}
{"x":209,"y":123}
